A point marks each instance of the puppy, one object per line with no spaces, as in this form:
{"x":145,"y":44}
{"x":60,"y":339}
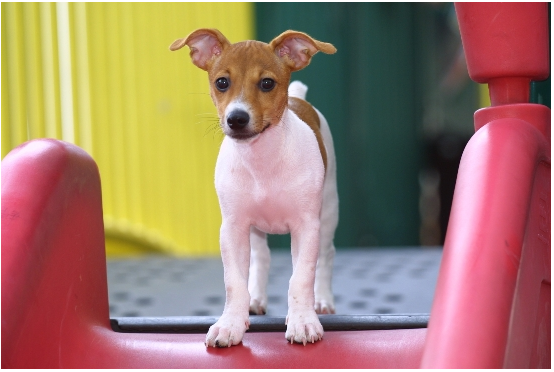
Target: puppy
{"x":275,"y":173}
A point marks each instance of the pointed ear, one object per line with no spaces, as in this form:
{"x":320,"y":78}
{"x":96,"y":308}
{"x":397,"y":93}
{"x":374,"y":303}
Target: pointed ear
{"x":296,"y":48}
{"x":204,"y":44}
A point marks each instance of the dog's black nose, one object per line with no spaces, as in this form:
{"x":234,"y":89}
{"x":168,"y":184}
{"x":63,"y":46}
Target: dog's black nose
{"x":238,"y":119}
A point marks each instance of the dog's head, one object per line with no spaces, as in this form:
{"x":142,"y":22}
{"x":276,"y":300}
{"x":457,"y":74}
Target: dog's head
{"x":249,"y":79}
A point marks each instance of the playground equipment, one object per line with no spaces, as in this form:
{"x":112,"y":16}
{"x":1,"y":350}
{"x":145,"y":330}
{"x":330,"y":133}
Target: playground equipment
{"x":492,"y":303}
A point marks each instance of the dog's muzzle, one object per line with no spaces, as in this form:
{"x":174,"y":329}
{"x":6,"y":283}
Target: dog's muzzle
{"x":237,"y":122}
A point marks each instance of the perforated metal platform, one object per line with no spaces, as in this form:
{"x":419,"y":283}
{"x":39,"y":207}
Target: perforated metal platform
{"x":365,"y":281}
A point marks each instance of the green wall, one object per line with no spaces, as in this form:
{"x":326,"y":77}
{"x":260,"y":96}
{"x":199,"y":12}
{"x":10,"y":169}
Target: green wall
{"x":369,"y":92}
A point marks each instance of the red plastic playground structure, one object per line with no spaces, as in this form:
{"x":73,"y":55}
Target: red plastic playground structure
{"x":492,"y":303}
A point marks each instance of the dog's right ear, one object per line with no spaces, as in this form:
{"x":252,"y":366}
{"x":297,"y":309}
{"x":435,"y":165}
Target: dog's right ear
{"x":205,"y":44}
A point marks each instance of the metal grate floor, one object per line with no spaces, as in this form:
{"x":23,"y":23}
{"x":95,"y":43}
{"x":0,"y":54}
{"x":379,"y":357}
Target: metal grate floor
{"x":365,"y":281}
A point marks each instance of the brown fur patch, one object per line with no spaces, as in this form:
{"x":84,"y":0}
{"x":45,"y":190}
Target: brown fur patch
{"x":307,"y":114}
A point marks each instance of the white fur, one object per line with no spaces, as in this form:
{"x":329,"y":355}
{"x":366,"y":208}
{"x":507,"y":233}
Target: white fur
{"x":276,"y":183}
{"x":298,"y":89}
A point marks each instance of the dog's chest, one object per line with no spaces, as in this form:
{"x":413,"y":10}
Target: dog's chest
{"x":274,"y":197}
{"x":273,"y":182}
{"x":272,"y":206}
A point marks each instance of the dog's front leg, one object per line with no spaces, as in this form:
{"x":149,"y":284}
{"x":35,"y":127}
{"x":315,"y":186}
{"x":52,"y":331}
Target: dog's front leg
{"x":303,"y":324}
{"x":235,"y":253}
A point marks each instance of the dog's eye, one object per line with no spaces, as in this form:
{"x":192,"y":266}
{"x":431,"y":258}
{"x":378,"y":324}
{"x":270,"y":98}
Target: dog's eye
{"x":222,"y":84}
{"x":267,"y":84}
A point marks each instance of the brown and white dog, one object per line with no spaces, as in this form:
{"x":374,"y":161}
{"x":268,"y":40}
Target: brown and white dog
{"x":275,"y":173}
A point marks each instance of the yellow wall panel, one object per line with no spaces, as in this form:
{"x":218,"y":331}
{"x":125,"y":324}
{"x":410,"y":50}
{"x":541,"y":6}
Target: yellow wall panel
{"x":50,"y":70}
{"x":484,"y":98}
{"x":32,"y":66}
{"x":14,"y":102}
{"x":143,"y":112}
{"x":6,"y":127}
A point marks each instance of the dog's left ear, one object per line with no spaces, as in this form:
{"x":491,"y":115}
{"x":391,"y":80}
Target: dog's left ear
{"x":296,"y":48}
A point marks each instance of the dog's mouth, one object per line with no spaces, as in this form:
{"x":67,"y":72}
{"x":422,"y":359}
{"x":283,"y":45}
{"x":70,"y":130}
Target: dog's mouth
{"x":246,"y":135}
{"x":242,"y":136}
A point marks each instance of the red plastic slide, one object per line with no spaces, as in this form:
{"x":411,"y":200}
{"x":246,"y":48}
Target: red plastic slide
{"x":492,"y":303}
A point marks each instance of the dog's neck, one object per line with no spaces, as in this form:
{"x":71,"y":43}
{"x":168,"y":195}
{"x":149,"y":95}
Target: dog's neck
{"x":266,"y":149}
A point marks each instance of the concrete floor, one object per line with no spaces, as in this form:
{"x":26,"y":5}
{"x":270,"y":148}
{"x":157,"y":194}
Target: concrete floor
{"x":365,"y":281}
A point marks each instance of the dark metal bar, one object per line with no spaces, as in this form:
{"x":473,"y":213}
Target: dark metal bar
{"x":262,"y":323}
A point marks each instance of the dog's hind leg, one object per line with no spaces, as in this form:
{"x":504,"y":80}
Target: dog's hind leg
{"x":259,"y":270}
{"x":324,"y":300}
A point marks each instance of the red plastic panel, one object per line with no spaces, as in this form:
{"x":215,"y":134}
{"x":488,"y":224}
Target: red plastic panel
{"x":506,"y":45}
{"x":505,"y":39}
{"x":54,"y":282}
{"x":492,"y":303}
{"x":54,"y":290}
{"x":528,"y":343}
{"x":491,"y":255}
{"x":101,"y":348}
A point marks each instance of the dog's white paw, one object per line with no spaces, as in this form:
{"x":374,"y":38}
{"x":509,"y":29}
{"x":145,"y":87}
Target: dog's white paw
{"x":258,"y":307}
{"x":324,"y":306}
{"x":303,"y":327}
{"x":227,"y":331}
{"x":324,"y":299}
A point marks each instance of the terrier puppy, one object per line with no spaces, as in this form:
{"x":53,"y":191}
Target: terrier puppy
{"x":275,"y":173}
